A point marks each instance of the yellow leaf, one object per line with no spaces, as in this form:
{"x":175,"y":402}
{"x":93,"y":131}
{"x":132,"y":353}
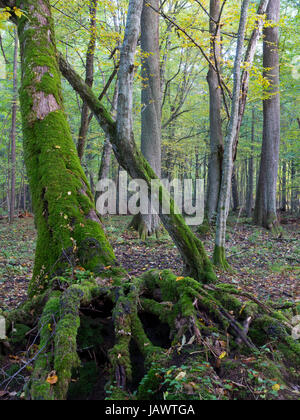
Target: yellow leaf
{"x":276,"y":387}
{"x":179,"y":278}
{"x":18,"y":12}
{"x":108,"y":267}
{"x":52,"y":378}
{"x":223,"y":355}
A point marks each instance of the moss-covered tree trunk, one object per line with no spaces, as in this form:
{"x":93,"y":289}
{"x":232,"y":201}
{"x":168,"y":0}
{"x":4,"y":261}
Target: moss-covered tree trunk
{"x":69,"y":230}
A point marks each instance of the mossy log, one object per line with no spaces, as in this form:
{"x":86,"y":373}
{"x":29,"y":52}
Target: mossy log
{"x":205,"y":324}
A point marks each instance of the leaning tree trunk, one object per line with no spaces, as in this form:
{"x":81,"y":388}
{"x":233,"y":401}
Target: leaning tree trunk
{"x":215,"y":100}
{"x":147,"y":225}
{"x":265,"y":207}
{"x":69,"y":231}
{"x":224,"y":201}
{"x":196,"y":261}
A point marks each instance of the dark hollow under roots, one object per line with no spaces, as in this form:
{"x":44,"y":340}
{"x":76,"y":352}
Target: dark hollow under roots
{"x":159,"y":337}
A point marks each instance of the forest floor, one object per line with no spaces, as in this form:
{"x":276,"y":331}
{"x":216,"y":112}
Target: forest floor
{"x":265,"y":265}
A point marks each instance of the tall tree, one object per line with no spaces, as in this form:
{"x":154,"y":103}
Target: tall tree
{"x":148,"y":225}
{"x":227,"y":167}
{"x":250,"y":174}
{"x":265,"y":207}
{"x":69,"y":231}
{"x":215,"y":104}
{"x":89,"y":77}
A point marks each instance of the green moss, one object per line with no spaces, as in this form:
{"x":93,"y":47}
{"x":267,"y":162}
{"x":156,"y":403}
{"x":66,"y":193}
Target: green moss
{"x":266,"y":328}
{"x":90,"y":333}
{"x":40,"y":389}
{"x":118,"y":394}
{"x":18,"y":334}
{"x":290,"y":349}
{"x":149,"y":386}
{"x":86,"y":378}
{"x":219,"y":258}
{"x":62,"y":200}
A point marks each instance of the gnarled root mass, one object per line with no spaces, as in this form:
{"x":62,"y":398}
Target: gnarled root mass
{"x":156,"y":337}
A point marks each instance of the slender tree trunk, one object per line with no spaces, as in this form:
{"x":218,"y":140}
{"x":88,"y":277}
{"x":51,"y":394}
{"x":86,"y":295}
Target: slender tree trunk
{"x":13,"y":135}
{"x":235,"y":191}
{"x":250,"y":178}
{"x":295,"y":197}
{"x":89,"y":79}
{"x":265,"y":208}
{"x":69,"y":231}
{"x":147,"y":225}
{"x":284,"y":185}
{"x":224,"y":201}
{"x":249,"y":59}
{"x":215,"y":101}
{"x":107,"y":147}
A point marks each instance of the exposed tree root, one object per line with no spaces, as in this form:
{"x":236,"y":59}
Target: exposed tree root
{"x":206,"y":325}
{"x":144,"y":229}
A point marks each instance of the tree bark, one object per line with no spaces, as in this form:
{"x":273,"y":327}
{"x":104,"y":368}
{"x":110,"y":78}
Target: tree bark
{"x":107,"y":147}
{"x":249,"y":58}
{"x":148,"y":225}
{"x":224,"y":201}
{"x":89,"y":79}
{"x":235,"y":191}
{"x":250,"y":177}
{"x":265,"y":208}
{"x":13,"y":135}
{"x":215,"y":104}
{"x":69,"y":231}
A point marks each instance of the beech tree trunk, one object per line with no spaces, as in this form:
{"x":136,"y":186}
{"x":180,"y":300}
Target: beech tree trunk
{"x":107,"y":147}
{"x":235,"y":191}
{"x":147,"y":225}
{"x":265,"y":208}
{"x":13,"y":135}
{"x":250,"y":177}
{"x":224,"y":201}
{"x":249,"y":59}
{"x":68,"y":228}
{"x":215,"y":103}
